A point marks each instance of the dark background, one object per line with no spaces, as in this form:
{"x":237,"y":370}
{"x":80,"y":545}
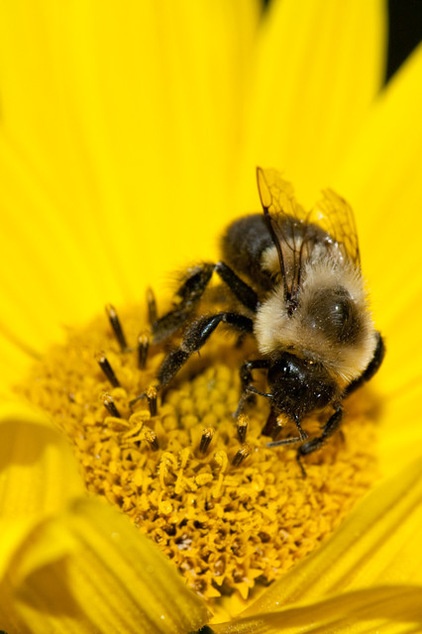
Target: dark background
{"x":405,"y":31}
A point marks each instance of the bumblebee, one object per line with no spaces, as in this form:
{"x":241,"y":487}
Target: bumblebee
{"x":295,"y":285}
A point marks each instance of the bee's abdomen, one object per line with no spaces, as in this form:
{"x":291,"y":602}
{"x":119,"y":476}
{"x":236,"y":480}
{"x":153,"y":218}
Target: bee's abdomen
{"x":243,"y":245}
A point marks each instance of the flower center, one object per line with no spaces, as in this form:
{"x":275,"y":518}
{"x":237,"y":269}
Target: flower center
{"x":228,"y":510}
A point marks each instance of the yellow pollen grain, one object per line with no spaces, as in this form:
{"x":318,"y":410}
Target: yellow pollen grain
{"x":231,"y":513}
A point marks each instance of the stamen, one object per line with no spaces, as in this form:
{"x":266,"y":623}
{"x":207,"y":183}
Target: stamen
{"x":206,"y":438}
{"x":143,"y":347}
{"x":242,"y":427}
{"x":105,"y":366}
{"x":152,"y":439}
{"x":117,"y":327}
{"x":110,"y":406}
{"x":151,"y":395}
{"x":241,"y":455}
{"x":151,"y":306}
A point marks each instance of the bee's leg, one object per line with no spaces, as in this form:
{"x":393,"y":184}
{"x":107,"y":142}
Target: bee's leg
{"x":244,"y":293}
{"x":143,"y":348}
{"x":246,"y":371}
{"x":195,"y":337}
{"x":190,"y":292}
{"x":247,"y":396}
{"x":372,"y":368}
{"x":271,"y":428}
{"x":328,"y":430}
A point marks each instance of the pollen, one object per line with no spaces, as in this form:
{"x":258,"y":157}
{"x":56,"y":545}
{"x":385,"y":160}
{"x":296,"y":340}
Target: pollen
{"x":232,"y":513}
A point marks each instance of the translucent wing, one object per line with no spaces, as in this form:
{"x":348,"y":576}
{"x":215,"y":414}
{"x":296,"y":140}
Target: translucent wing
{"x":277,"y":195}
{"x":297,"y":234}
{"x":335,"y":216}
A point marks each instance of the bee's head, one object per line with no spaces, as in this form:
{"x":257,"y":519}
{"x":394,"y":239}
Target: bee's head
{"x":299,"y":386}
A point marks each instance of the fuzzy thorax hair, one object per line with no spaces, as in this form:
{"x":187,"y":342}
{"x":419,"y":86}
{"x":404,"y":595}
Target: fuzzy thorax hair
{"x":331,"y":324}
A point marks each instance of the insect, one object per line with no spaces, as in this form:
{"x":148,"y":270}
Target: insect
{"x":294,"y":284}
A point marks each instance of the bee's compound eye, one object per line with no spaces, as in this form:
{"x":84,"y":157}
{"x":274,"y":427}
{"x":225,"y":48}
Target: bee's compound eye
{"x":333,"y":312}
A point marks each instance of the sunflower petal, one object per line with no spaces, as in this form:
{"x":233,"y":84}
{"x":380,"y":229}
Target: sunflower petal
{"x":38,"y":475}
{"x":15,"y":360}
{"x":32,"y":457}
{"x":314,"y":83}
{"x":120,"y":129}
{"x":89,"y":570}
{"x":48,"y":263}
{"x":382,"y":180}
{"x":387,"y":610}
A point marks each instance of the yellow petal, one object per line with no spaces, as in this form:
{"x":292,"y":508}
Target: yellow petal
{"x":386,"y":610}
{"x":382,"y":180}
{"x":127,"y":144}
{"x":110,"y":579}
{"x":399,"y":438}
{"x":47,"y":245}
{"x":16,"y":359}
{"x":122,"y":127}
{"x":319,"y":67}
{"x":38,"y":475}
{"x":32,"y":457}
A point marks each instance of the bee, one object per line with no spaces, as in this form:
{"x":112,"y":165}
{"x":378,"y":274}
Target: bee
{"x":295,"y":285}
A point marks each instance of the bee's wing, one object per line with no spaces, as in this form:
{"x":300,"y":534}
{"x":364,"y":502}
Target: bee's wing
{"x":288,"y":225}
{"x":277,"y":195}
{"x":296,"y":232}
{"x":335,"y":216}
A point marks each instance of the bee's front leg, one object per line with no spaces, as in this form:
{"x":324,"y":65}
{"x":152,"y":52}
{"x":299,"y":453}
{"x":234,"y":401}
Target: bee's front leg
{"x":247,"y":394}
{"x":331,"y":426}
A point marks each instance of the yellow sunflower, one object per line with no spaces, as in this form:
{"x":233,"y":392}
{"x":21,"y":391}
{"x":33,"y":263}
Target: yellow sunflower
{"x":130,"y":134}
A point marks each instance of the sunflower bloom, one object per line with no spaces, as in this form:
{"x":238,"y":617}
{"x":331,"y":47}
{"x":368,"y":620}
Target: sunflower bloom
{"x":129,"y":140}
